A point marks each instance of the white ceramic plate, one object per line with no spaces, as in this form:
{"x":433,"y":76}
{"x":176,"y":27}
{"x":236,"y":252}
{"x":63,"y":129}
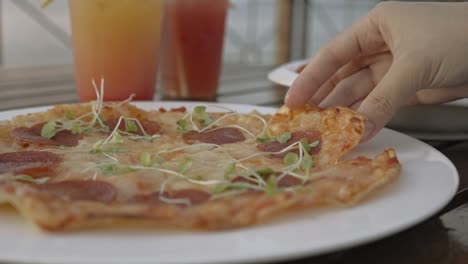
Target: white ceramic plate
{"x":428,"y":181}
{"x":286,"y":74}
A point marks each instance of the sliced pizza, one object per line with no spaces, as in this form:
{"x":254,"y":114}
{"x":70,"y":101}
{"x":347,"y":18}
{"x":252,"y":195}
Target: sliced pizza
{"x":82,"y":165}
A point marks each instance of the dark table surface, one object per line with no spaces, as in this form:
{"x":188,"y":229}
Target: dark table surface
{"x":441,"y":239}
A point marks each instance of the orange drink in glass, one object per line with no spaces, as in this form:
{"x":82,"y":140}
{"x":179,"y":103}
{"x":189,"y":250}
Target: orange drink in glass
{"x":117,"y":40}
{"x":193,"y":39}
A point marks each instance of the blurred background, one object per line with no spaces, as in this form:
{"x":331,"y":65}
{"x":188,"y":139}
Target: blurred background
{"x":36,"y":52}
{"x":258,"y":30}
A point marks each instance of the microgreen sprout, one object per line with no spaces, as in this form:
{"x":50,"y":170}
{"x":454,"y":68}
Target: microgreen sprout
{"x":271,"y":187}
{"x":49,"y":130}
{"x":185,"y":165}
{"x":264,"y":172}
{"x":69,"y":115}
{"x":284,"y":138}
{"x":264,"y":139}
{"x":290,"y":159}
{"x":229,"y":170}
{"x":27,"y":178}
{"x":145,"y":159}
{"x":305,"y":145}
{"x":162,"y":189}
{"x":76,"y":124}
{"x":182,"y":126}
{"x":236,"y":186}
{"x":314,"y":144}
{"x":130,"y":126}
{"x":199,"y":114}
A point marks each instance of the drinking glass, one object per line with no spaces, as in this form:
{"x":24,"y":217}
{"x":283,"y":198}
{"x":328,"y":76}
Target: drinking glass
{"x":118,"y":41}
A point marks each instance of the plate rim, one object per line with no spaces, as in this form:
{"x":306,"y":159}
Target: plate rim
{"x":293,"y":255}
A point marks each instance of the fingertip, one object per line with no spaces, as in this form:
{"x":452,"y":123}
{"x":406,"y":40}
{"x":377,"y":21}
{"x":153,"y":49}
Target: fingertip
{"x":369,"y":132}
{"x":287,"y":100}
{"x":293,"y":100}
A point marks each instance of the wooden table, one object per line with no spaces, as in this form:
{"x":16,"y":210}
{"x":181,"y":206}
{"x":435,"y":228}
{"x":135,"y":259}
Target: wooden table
{"x":441,"y":239}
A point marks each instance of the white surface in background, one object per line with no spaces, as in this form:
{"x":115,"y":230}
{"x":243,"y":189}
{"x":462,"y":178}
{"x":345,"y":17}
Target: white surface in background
{"x":25,"y":43}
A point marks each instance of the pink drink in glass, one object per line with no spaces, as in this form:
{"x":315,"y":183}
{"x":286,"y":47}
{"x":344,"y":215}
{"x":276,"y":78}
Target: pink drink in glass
{"x":192,"y":48}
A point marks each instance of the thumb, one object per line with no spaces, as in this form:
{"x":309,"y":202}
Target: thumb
{"x":400,"y":83}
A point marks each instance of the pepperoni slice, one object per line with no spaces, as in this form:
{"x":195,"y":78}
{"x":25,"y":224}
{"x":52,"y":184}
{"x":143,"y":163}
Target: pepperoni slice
{"x":275,"y":146}
{"x":150,"y":127}
{"x":193,"y":195}
{"x":146,"y":198}
{"x":32,"y":135}
{"x":243,"y":179}
{"x":33,"y":163}
{"x":220,"y":136}
{"x":289,"y":181}
{"x":96,"y":191}
{"x":181,"y":109}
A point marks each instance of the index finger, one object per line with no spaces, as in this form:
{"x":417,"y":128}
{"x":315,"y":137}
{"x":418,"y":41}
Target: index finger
{"x":334,"y":55}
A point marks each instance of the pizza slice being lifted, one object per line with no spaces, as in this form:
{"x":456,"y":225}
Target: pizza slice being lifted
{"x":82,"y":165}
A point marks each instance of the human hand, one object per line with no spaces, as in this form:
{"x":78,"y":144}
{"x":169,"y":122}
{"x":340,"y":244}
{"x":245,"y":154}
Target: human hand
{"x":400,"y":53}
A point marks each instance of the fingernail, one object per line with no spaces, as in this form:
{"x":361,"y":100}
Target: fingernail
{"x":290,"y":103}
{"x":369,"y":131}
{"x":324,"y":104}
{"x":286,"y":97}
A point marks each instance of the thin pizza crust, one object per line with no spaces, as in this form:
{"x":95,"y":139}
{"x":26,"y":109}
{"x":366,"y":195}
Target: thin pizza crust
{"x":343,"y":184}
{"x":341,"y":128}
{"x":333,"y":182}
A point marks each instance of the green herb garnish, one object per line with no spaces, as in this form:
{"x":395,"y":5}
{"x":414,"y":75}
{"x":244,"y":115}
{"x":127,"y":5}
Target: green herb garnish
{"x":182,"y":126}
{"x":229,"y":170}
{"x":49,"y":130}
{"x":305,"y":145}
{"x":284,"y":138}
{"x":185,"y":165}
{"x":271,"y":187}
{"x":314,"y":144}
{"x":199,"y":178}
{"x":145,"y":159}
{"x":234,"y":186}
{"x":114,"y":168}
{"x":290,"y":159}
{"x":264,"y":172}
{"x":307,"y":164}
{"x":264,"y":139}
{"x":116,"y":139}
{"x":28,"y":178}
{"x":200,"y":114}
{"x":145,"y":137}
{"x":159,"y":160}
{"x":69,"y":115}
{"x":130,"y":126}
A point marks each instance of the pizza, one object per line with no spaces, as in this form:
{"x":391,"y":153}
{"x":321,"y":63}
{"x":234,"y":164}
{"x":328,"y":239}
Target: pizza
{"x":77,"y":166}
